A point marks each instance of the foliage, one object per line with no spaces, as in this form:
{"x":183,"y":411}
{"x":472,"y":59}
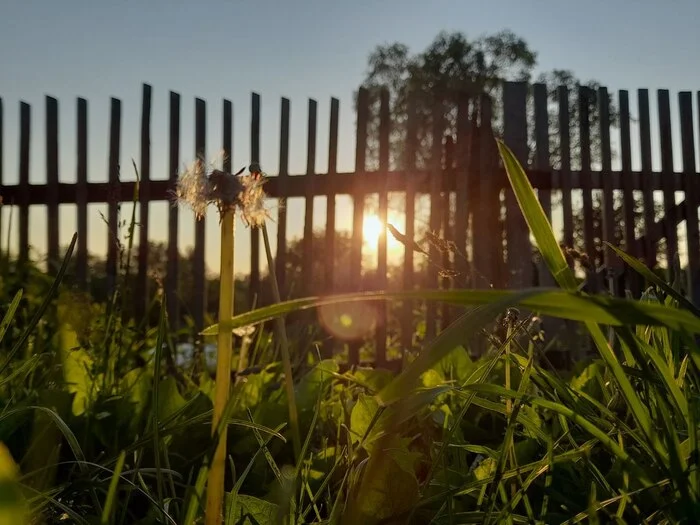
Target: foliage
{"x":97,"y":427}
{"x":453,"y":66}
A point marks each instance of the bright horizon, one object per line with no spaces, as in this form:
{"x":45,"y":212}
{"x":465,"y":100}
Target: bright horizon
{"x":215,"y":50}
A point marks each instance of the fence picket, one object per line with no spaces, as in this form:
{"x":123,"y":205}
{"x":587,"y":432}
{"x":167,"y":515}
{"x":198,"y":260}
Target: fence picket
{"x":650,"y":250}
{"x":81,"y":193}
{"x":254,"y":290}
{"x":172,"y":271}
{"x":519,"y":249}
{"x":23,"y":191}
{"x":382,"y":268}
{"x":308,"y":283}
{"x":685,"y":105}
{"x":52,"y":183}
{"x":142,"y":298}
{"x":114,"y":194}
{"x":283,"y":181}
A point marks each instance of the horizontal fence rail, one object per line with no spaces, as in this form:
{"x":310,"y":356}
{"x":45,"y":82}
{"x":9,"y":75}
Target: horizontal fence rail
{"x":447,"y":152}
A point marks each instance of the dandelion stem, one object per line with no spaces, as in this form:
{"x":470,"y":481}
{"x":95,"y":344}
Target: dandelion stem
{"x":215,"y":484}
{"x":284,"y":344}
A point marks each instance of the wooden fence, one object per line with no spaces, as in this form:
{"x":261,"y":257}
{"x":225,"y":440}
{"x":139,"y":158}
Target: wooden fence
{"x":463,"y":164}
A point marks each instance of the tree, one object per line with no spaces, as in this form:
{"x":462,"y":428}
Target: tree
{"x":453,"y":65}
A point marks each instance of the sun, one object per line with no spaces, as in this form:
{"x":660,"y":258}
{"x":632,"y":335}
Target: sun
{"x":372,"y":229}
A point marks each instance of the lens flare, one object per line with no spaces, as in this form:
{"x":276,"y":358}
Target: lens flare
{"x":348,"y":321}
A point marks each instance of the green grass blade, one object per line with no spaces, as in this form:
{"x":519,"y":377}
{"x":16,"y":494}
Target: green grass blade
{"x":650,"y":276}
{"x":537,"y":220}
{"x":112,"y":491}
{"x":10,"y":314}
{"x":562,"y":304}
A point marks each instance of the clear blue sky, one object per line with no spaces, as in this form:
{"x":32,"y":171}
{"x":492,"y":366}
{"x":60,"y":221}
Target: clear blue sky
{"x":298,"y":49}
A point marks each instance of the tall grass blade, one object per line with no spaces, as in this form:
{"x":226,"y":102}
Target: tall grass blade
{"x":112,"y":491}
{"x":554,"y":257}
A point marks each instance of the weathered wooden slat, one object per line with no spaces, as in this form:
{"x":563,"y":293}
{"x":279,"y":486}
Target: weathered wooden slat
{"x":254,"y":232}
{"x":666,"y":143}
{"x":283,"y":183}
{"x":542,"y":142}
{"x":52,"y":182}
{"x":227,"y":134}
{"x":492,"y":269}
{"x":199,"y":301}
{"x":384,"y":133}
{"x":23,"y":193}
{"x":608,"y":216}
{"x":685,"y":105}
{"x":358,"y":206}
{"x":410,"y":211}
{"x":647,"y":191}
{"x":142,"y":298}
{"x":330,"y":203}
{"x":328,"y":345}
{"x":172,"y":296}
{"x":584,"y":127}
{"x":629,"y":183}
{"x":437,"y":132}
{"x":542,"y":162}
{"x":308,"y":283}
{"x":446,"y":226}
{"x":466,"y":189}
{"x":519,"y":249}
{"x":565,"y":176}
{"x":81,"y":192}
{"x":115,"y":194}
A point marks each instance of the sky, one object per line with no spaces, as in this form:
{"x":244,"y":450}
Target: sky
{"x":300,"y":49}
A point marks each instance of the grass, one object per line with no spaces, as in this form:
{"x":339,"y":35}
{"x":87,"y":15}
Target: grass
{"x":93,"y":438}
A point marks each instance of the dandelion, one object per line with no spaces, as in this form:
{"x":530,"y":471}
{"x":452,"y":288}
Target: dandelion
{"x":200,"y":185}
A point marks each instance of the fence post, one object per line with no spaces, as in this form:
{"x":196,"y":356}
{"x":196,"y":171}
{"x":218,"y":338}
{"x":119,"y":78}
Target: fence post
{"x":307,"y":243}
{"x":172,"y":280}
{"x":142,"y":297}
{"x":384,"y":144}
{"x":24,"y":145}
{"x":517,"y":233}
{"x":358,"y":198}
{"x":52,"y":183}
{"x":254,"y":290}
{"x":282,"y":181}
{"x":200,"y":279}
{"x":115,"y":194}
{"x":685,"y":103}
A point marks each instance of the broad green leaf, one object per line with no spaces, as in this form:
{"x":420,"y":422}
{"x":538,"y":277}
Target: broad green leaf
{"x":169,"y":398}
{"x":249,"y":509}
{"x":13,"y":507}
{"x":389,"y":493}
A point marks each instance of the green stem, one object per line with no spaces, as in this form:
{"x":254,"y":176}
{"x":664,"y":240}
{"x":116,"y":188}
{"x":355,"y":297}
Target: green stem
{"x":284,"y":344}
{"x":215,"y":483}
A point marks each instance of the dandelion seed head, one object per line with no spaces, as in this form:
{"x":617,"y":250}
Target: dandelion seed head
{"x":194,"y":188}
{"x":200,"y":184}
